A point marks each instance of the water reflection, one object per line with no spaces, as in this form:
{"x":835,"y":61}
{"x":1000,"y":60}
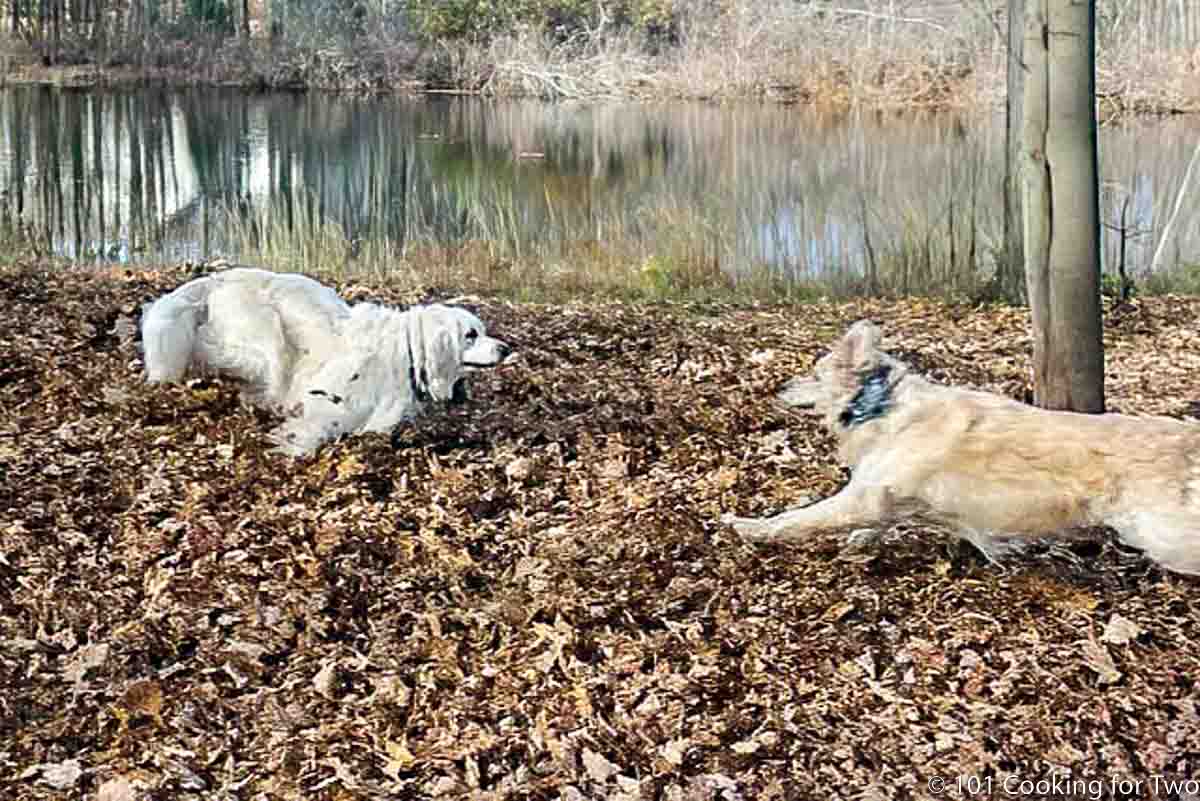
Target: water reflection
{"x":911,"y":201}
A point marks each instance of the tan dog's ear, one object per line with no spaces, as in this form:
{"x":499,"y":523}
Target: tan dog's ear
{"x":437,"y":361}
{"x":859,"y":348}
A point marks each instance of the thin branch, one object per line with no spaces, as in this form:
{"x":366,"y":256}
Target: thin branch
{"x":1183,"y":187}
{"x":857,"y":12}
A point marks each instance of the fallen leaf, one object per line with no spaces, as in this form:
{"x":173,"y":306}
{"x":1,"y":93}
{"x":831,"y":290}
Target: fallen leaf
{"x":62,"y":775}
{"x":598,"y":767}
{"x":88,"y":657}
{"x":325,"y":681}
{"x":1098,"y":659}
{"x":674,"y":751}
{"x":143,"y":697}
{"x":1120,"y":630}
{"x":118,"y":788}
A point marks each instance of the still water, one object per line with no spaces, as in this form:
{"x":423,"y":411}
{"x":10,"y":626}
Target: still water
{"x":165,"y":174}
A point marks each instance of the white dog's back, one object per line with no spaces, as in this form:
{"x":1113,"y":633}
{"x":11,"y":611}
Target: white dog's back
{"x":249,"y":323}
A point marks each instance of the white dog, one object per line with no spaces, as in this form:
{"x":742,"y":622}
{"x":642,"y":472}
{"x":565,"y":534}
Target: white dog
{"x":300,"y":349}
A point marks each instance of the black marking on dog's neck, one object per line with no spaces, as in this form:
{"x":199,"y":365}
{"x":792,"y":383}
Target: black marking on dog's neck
{"x":417,"y":387}
{"x":331,"y":396}
{"x":872,"y":401}
{"x":458,"y":395}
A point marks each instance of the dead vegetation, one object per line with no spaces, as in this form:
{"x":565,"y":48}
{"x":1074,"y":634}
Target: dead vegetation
{"x":530,"y":598}
{"x":931,"y":54}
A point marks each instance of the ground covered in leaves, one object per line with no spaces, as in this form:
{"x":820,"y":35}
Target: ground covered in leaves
{"x":531,"y":597}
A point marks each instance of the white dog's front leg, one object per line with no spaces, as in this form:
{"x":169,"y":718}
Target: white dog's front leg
{"x":300,"y":436}
{"x":320,"y":421}
{"x":853,"y":506}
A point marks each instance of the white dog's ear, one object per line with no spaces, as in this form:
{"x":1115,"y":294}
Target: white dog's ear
{"x":437,"y":361}
{"x":859,"y":348}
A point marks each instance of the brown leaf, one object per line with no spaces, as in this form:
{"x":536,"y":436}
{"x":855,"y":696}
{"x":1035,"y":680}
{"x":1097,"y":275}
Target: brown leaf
{"x":143,"y":697}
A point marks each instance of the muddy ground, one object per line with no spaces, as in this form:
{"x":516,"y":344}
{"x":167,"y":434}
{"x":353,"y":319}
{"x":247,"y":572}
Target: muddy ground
{"x":530,"y":597}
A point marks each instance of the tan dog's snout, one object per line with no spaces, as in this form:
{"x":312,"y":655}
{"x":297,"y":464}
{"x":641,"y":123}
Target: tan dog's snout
{"x":802,"y":393}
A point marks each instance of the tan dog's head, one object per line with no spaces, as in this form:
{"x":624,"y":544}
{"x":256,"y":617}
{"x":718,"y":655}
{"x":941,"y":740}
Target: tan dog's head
{"x":842,"y":376}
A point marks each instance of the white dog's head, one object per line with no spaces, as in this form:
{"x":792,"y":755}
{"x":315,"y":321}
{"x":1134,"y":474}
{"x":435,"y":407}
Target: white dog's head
{"x":445,"y":342}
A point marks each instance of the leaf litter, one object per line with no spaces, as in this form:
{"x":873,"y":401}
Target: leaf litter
{"x":530,"y":597}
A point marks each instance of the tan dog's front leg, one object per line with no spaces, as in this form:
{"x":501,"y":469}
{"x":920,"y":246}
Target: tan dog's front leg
{"x":853,"y":506}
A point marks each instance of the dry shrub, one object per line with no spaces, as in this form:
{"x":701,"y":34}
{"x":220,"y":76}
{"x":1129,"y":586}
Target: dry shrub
{"x":749,"y":48}
{"x":533,"y":63}
{"x":814,"y":53}
{"x":939,"y":55}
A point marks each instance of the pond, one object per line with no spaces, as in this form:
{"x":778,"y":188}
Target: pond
{"x":298,"y":179}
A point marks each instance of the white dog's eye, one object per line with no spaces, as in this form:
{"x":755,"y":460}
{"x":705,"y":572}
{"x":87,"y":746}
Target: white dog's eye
{"x":472,"y":335}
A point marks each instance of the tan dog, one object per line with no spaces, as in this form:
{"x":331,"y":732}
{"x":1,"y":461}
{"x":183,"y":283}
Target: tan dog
{"x":998,"y":472}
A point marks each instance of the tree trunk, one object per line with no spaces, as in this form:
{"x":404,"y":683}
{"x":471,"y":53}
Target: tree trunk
{"x":1010,"y":276}
{"x":1060,"y":204}
{"x":99,"y":32}
{"x":55,"y":30}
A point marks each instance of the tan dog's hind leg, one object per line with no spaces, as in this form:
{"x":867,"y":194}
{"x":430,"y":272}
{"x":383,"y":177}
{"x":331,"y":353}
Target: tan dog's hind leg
{"x":855,"y":505}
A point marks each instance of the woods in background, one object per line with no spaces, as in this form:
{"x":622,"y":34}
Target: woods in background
{"x":890,"y":53}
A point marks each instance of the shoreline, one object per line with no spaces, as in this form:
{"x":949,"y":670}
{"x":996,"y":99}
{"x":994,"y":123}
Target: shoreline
{"x":972,"y":92}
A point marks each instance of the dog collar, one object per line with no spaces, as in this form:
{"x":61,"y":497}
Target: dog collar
{"x":872,"y":401}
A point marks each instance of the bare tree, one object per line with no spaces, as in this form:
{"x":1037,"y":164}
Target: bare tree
{"x":1061,"y":204}
{"x":1010,"y":277}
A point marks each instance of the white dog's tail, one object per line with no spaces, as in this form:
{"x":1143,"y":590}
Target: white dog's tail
{"x":169,"y":329}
